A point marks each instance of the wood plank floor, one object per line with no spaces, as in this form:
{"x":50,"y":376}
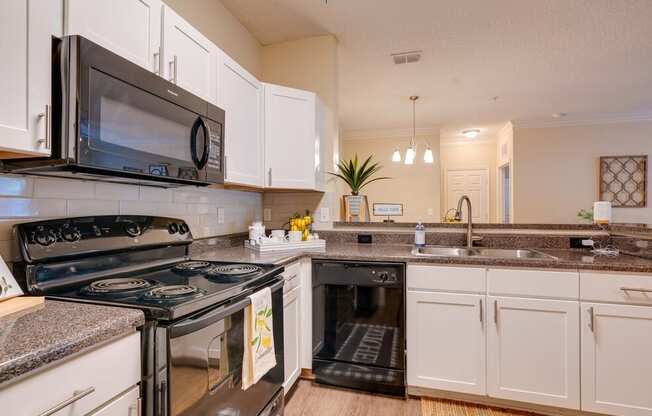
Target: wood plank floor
{"x":310,"y":399}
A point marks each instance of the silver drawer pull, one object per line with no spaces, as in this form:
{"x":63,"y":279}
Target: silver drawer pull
{"x":635,"y":289}
{"x":78,"y":395}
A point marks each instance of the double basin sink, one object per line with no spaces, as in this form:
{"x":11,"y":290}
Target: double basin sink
{"x":478,"y":252}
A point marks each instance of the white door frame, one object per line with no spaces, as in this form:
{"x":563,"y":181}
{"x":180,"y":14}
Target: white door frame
{"x":485,"y":169}
{"x":500,"y":194}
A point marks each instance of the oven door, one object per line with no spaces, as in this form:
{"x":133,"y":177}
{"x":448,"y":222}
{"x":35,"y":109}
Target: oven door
{"x":135,"y":122}
{"x":205,"y":363}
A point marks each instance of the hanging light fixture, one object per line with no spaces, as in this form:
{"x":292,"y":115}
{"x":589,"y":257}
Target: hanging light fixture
{"x":411,"y":152}
{"x":396,"y":156}
{"x":428,"y":157}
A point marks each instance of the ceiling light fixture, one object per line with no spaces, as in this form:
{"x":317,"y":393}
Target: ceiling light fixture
{"x":428,"y":157}
{"x":396,"y":157}
{"x":471,"y":133}
{"x":411,"y":152}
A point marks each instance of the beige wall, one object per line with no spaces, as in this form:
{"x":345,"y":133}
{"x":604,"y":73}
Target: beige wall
{"x":556,"y":169}
{"x":309,"y":64}
{"x":213,"y":20}
{"x":479,"y":154}
{"x":416,"y":186}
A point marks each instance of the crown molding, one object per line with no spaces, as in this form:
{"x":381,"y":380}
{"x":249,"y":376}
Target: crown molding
{"x":584,"y":120}
{"x":368,"y":134}
{"x":462,"y":141}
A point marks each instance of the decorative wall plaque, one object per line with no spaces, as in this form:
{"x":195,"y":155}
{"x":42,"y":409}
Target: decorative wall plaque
{"x":623,"y":181}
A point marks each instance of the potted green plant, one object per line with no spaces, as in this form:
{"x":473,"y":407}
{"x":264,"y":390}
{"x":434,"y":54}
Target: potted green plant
{"x":357,"y":176}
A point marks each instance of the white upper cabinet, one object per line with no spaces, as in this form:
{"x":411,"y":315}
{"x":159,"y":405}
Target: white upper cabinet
{"x":616,"y":361}
{"x":26,"y":28}
{"x":292,"y":138}
{"x":189,"y":58}
{"x":240,"y":95}
{"x":129,"y":28}
{"x":533,"y":351}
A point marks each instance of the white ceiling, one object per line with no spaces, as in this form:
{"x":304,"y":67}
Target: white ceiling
{"x":537,"y":56}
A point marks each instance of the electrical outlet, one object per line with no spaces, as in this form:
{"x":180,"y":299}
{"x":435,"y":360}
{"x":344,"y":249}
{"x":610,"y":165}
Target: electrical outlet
{"x":325,"y":214}
{"x":267,"y":214}
{"x":220,"y":215}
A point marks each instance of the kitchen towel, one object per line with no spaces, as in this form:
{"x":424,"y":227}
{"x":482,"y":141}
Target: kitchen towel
{"x":259,"y":355}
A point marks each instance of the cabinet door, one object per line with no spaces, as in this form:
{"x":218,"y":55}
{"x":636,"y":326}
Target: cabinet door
{"x":290,"y":138}
{"x":533,"y":351}
{"x":616,"y":359}
{"x":129,"y":28}
{"x":446,"y":341}
{"x":189,"y":58}
{"x":126,"y":404}
{"x":240,"y":95}
{"x":292,"y":345}
{"x":26,"y":28}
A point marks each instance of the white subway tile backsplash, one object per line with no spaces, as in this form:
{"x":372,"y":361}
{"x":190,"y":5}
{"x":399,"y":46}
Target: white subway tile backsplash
{"x":148,"y":193}
{"x":191,"y":196}
{"x":116,"y":191}
{"x":16,"y":186}
{"x":8,"y":251}
{"x":64,"y":189}
{"x":200,"y":209}
{"x":26,"y":207}
{"x":137,"y":208}
{"x":83,"y":207}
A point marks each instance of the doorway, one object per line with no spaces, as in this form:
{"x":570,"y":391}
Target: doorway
{"x":471,"y":182}
{"x":504,"y":181}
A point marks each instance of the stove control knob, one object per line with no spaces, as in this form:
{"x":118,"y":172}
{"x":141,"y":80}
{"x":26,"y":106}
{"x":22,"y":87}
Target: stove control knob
{"x":132,"y":229}
{"x":71,"y":234}
{"x":183,"y":228}
{"x":173,"y":228}
{"x":384,"y":276}
{"x":45,"y":236}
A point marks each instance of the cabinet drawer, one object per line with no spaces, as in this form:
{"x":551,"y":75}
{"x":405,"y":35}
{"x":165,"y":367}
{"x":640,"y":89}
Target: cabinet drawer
{"x":127,"y":404}
{"x":533,"y":283}
{"x":449,"y":279}
{"x":291,"y":276}
{"x":101,"y":374}
{"x":614,"y":287}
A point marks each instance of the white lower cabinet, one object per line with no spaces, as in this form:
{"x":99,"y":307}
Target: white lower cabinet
{"x":292,"y":325}
{"x":617,"y":359}
{"x":533,"y":351}
{"x":101,"y":381}
{"x":446,"y":341}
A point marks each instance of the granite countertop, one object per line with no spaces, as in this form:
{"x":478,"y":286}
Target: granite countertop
{"x":32,"y":339}
{"x":566,"y":259}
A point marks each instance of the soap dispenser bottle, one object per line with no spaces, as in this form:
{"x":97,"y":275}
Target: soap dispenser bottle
{"x":420,"y":235}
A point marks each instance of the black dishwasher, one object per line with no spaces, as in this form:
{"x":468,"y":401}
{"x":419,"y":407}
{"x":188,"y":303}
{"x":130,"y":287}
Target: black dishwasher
{"x":359,"y":325}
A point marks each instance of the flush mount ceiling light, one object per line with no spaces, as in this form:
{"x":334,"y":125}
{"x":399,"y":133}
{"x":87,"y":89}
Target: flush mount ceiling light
{"x":471,"y":133}
{"x":411,"y":152}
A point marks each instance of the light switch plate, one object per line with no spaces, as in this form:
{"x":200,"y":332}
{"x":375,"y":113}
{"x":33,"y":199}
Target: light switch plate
{"x":220,"y":215}
{"x":267,"y":214}
{"x":325,"y":214}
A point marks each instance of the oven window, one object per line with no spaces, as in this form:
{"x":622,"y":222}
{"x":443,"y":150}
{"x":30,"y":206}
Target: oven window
{"x":126,"y":118}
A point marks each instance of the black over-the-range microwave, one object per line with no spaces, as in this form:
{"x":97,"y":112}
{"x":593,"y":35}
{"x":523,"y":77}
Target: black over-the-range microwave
{"x":113,"y":120}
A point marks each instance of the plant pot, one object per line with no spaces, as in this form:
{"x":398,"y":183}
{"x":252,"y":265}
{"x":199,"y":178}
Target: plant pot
{"x":356,"y":208}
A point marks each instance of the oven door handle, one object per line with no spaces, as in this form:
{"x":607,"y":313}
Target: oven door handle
{"x":194,"y":324}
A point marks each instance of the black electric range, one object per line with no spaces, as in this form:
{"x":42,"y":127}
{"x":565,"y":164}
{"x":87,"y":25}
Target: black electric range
{"x":142,"y":262}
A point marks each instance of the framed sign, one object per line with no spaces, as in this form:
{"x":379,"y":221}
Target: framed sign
{"x":8,"y":286}
{"x":388,"y":210}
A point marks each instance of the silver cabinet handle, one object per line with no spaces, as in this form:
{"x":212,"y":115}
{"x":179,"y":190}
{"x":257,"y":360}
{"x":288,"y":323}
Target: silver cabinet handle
{"x":75,"y":397}
{"x":591,"y":319}
{"x":157,"y":61}
{"x":496,"y":312}
{"x":269,"y":174}
{"x":635,"y":289}
{"x":137,"y":406}
{"x":225,"y":169}
{"x":481,"y":312}
{"x":47,"y":140}
{"x":174,"y":65}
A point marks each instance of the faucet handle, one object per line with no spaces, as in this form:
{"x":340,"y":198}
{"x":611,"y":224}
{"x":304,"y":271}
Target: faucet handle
{"x":477,"y":238}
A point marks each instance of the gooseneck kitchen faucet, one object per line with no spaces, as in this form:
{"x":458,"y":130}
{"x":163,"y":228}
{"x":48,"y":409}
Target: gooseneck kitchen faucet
{"x":469,"y":227}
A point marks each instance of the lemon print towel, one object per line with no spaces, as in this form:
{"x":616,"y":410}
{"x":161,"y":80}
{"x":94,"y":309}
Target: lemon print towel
{"x":259,"y":356}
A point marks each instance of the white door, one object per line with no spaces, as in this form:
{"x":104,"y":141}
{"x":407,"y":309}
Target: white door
{"x":240,"y":94}
{"x":291,"y":340}
{"x":290,"y":137}
{"x":129,"y":28}
{"x":26,"y":30}
{"x":533,"y":351}
{"x":471,"y":182}
{"x":446,"y":341}
{"x":617,"y":359}
{"x":189,"y":58}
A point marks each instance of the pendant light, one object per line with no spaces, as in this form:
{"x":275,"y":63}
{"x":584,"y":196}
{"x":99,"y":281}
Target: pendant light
{"x":396,"y":156}
{"x":411,"y":152}
{"x":428,"y":157}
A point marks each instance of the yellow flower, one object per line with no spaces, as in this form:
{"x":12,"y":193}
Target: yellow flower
{"x":266,"y":341}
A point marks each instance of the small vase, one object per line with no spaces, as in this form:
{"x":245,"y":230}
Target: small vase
{"x":356,"y":208}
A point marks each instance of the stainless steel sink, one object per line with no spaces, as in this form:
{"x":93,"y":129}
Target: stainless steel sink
{"x":489,"y":253}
